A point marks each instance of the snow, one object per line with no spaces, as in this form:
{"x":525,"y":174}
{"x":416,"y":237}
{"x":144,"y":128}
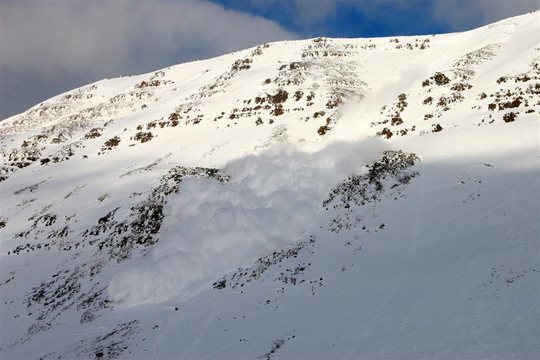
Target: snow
{"x":212,"y":228}
{"x":249,"y":259}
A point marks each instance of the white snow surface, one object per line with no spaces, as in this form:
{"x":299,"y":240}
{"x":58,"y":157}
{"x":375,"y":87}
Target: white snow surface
{"x":189,"y":213}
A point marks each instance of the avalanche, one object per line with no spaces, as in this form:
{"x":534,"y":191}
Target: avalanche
{"x":322,"y":198}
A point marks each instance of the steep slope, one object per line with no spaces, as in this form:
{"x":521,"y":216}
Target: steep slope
{"x":323,"y":198}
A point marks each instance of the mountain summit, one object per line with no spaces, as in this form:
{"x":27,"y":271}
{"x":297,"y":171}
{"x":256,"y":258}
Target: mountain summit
{"x":322,"y":198}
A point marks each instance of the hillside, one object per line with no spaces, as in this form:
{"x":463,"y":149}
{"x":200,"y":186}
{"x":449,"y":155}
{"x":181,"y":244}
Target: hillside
{"x":321,"y":198}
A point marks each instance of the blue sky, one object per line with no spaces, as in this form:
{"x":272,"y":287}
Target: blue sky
{"x":371,"y":18}
{"x":51,"y":46}
{"x":334,"y":18}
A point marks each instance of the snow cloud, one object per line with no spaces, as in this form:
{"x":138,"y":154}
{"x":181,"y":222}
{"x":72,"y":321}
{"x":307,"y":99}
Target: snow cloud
{"x":212,"y":228}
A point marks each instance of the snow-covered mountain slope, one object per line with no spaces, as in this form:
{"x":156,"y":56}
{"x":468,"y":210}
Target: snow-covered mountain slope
{"x":323,"y":198}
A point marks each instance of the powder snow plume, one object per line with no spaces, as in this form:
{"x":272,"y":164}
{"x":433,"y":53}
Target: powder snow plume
{"x":212,"y":228}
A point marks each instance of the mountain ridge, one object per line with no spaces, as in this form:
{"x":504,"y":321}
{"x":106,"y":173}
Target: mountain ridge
{"x":321,"y":198}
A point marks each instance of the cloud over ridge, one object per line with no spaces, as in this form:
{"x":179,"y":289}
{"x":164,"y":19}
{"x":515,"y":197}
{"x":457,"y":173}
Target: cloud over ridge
{"x":56,"y":45}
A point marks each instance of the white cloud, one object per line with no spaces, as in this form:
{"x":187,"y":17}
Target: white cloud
{"x":60,"y":41}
